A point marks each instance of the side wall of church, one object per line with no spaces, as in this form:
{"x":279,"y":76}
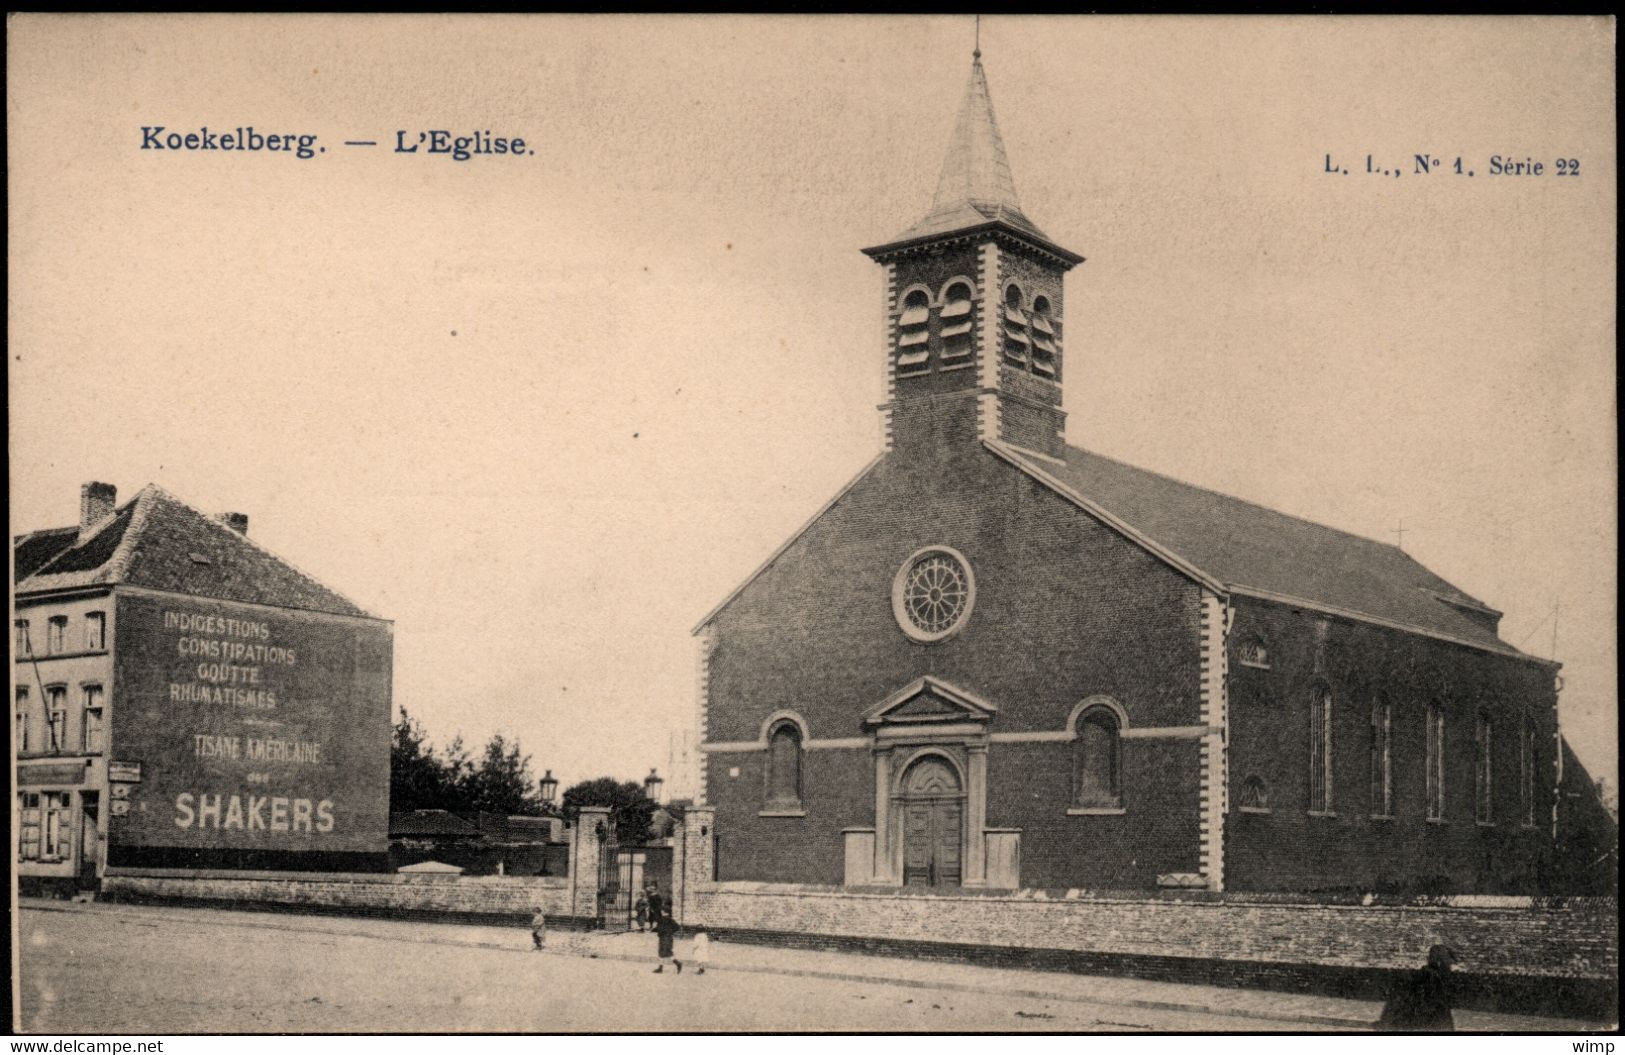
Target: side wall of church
{"x":1064,"y":609}
{"x":1288,"y":848}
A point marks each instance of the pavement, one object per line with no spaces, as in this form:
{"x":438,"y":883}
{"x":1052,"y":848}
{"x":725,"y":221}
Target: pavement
{"x":1049,"y":996}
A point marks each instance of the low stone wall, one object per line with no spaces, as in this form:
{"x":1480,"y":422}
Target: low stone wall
{"x":464,"y":899}
{"x":1531,"y":954}
{"x":1554,"y":956}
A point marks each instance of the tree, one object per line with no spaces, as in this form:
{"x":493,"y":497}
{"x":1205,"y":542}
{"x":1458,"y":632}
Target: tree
{"x":418,"y":780}
{"x":629,"y":808}
{"x":502,"y":782}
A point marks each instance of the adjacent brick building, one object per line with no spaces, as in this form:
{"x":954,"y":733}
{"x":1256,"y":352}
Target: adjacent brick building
{"x":997,"y":660}
{"x":185,"y":698}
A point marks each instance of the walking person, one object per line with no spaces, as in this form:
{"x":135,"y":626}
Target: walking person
{"x":666,"y":929}
{"x":657,"y":904}
{"x":538,"y":930}
{"x":641,"y":909}
{"x":1420,"y":1002}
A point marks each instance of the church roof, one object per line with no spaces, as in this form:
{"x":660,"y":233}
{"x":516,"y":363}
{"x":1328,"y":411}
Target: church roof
{"x":975,"y":188}
{"x":1240,"y":548}
{"x":1252,"y":550}
{"x":160,"y":542}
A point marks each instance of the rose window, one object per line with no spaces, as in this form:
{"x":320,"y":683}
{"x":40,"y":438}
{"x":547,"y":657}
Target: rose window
{"x":932,"y":594}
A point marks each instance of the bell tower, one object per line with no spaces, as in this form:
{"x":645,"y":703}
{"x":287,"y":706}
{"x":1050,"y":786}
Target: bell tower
{"x":974,"y":306}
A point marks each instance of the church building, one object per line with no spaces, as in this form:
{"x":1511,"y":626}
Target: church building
{"x":997,"y":660}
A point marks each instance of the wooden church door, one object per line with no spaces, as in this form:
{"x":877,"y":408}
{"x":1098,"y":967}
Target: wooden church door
{"x":933,"y":824}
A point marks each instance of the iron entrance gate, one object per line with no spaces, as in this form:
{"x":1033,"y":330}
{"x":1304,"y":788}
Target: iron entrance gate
{"x":634,"y":869}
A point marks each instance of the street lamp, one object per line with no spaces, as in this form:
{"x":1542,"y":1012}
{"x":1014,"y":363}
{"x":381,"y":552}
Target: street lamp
{"x":550,"y":788}
{"x":652,"y":785}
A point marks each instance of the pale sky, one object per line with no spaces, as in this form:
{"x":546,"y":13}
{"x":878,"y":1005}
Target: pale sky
{"x":545,"y":412}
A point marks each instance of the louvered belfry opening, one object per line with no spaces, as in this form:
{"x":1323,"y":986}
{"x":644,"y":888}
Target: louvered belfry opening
{"x":975,"y":305}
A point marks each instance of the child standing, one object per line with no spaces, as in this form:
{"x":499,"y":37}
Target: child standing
{"x":642,"y":909}
{"x":538,"y":931}
{"x":700,"y":955}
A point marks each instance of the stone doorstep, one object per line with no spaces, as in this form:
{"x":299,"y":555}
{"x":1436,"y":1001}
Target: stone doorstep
{"x":737,"y":957}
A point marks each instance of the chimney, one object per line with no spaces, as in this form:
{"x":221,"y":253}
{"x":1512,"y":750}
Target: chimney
{"x":96,"y":501}
{"x":238,"y":522}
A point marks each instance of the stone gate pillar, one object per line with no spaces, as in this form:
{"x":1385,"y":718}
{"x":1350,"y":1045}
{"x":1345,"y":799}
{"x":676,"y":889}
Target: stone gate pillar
{"x":586,"y":861}
{"x":693,"y":849}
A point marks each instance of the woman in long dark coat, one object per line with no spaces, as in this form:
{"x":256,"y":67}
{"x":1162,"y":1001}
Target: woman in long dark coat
{"x":666,"y":930}
{"x":1420,"y":1002}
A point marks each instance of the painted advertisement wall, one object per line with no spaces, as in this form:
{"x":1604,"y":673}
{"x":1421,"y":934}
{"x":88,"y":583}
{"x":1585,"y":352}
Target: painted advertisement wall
{"x":254,"y":728}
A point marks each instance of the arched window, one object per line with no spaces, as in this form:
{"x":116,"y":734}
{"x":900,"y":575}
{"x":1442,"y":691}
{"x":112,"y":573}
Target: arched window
{"x":957,"y":322}
{"x":1017,"y":344}
{"x":1435,"y":762}
{"x":1043,"y":336}
{"x":1382,"y":771}
{"x":913,"y":333}
{"x":784,"y":767}
{"x":1320,"y":750}
{"x":1096,"y":760}
{"x":1255,"y":795}
{"x":1526,"y":771}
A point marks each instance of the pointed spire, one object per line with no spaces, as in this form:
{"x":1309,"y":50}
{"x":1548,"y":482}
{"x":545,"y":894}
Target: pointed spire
{"x":975,"y":185}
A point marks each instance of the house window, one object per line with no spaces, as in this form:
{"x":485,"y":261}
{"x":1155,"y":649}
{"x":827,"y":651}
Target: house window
{"x":58,"y":825}
{"x":1320,"y":750}
{"x":957,"y":322}
{"x":1096,"y":761}
{"x":913,"y":333}
{"x":28,"y":825}
{"x":56,"y":719}
{"x":20,"y":645}
{"x":45,"y":821}
{"x":58,"y":639}
{"x":1382,"y":770}
{"x":1253,"y":653}
{"x":1043,"y":338}
{"x":21,"y":739}
{"x":1255,"y":795}
{"x":1017,"y":344}
{"x":1483,"y":770}
{"x":1435,"y":762}
{"x":90,"y":726}
{"x":95,"y":631}
{"x":784,"y":767}
{"x":1526,"y":771}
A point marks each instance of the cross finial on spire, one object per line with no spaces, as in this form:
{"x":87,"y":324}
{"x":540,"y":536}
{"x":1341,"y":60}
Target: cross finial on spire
{"x":977,"y":54}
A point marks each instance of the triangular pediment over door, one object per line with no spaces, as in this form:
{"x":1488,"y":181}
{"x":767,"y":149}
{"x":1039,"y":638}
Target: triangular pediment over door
{"x":927,"y":701}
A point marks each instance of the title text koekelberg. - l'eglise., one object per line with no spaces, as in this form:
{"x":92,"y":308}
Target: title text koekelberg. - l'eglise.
{"x":304,"y":145}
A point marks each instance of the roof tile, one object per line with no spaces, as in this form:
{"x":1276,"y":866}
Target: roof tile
{"x":160,"y":542}
{"x":1248,"y":546}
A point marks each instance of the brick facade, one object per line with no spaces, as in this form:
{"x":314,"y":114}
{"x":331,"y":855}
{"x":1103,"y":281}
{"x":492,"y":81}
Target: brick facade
{"x":1288,"y":849}
{"x":1065,"y":610}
